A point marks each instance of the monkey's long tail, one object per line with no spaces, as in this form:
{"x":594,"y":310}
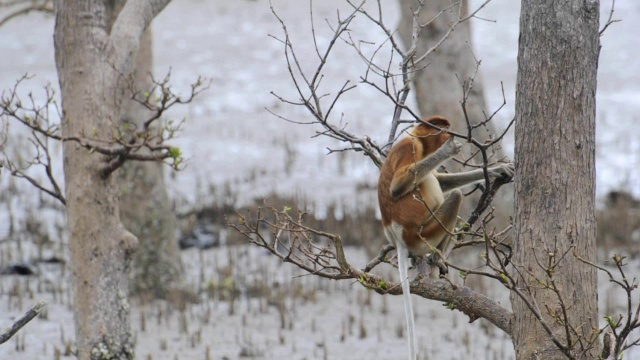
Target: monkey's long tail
{"x":403,"y":267}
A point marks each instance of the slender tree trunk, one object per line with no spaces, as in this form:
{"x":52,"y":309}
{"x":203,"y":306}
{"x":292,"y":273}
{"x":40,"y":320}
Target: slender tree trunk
{"x":555,"y":171}
{"x":90,"y":62}
{"x":437,"y":86}
{"x":145,"y":207}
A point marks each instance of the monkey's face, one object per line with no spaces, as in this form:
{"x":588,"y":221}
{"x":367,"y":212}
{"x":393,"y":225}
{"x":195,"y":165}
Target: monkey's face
{"x":432,"y":138}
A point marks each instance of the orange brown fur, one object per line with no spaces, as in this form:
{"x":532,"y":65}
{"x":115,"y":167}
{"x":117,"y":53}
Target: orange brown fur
{"x":398,"y":174}
{"x":417,"y":218}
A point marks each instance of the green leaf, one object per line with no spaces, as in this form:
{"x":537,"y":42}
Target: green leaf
{"x":383,"y":285}
{"x":175,"y":152}
{"x":504,"y":278}
{"x":612,"y":323}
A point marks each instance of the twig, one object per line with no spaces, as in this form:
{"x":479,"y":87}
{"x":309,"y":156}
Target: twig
{"x":610,"y":20}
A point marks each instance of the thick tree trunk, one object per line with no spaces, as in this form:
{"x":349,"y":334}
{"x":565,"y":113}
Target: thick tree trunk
{"x":100,"y":246}
{"x":555,"y":170}
{"x":437,"y":86}
{"x":90,"y":62}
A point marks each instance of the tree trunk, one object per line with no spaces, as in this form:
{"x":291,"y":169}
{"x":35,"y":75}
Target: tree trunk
{"x":100,"y":246}
{"x":437,"y":86}
{"x":145,"y":207}
{"x":555,"y":171}
{"x":90,"y":62}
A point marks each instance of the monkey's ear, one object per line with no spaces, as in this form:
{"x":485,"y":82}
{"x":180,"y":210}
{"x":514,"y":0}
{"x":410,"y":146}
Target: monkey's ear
{"x":438,"y":121}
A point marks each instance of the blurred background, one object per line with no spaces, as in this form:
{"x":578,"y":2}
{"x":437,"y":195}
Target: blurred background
{"x":236,"y":300}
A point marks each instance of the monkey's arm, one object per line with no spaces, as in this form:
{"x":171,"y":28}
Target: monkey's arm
{"x":449,"y":182}
{"x":405,"y":179}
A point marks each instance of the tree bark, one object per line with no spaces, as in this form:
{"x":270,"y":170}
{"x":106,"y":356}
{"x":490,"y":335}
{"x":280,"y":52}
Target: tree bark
{"x":437,"y":86}
{"x":90,"y":62}
{"x":145,"y":207}
{"x":555,"y":172}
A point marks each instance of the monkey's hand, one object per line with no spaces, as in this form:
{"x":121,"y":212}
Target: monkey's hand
{"x":451,"y":148}
{"x":503,"y":171}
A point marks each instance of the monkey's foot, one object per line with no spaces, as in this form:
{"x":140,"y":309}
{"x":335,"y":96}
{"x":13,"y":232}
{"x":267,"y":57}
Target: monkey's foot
{"x":424,"y":266}
{"x":436,"y":260}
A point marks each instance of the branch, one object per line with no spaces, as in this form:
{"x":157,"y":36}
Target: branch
{"x":20,"y":173}
{"x":307,"y":87}
{"x":43,"y":6}
{"x":128,"y":29}
{"x":18,"y":324}
{"x":621,"y":331}
{"x":293,"y":242}
{"x":610,"y":20}
{"x":463,"y":298}
{"x":122,"y":144}
{"x":160,"y":98}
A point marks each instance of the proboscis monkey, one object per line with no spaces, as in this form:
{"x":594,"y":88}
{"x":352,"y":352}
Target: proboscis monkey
{"x":419,"y":206}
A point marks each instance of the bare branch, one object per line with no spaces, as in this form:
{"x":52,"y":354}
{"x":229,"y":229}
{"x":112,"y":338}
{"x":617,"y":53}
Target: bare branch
{"x":309,"y":94}
{"x":620,"y":332}
{"x":122,"y":144}
{"x":610,"y":20}
{"x":43,"y":6}
{"x":21,"y":322}
{"x":444,"y":37}
{"x":21,"y":173}
{"x":166,"y":98}
{"x":293,"y":242}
